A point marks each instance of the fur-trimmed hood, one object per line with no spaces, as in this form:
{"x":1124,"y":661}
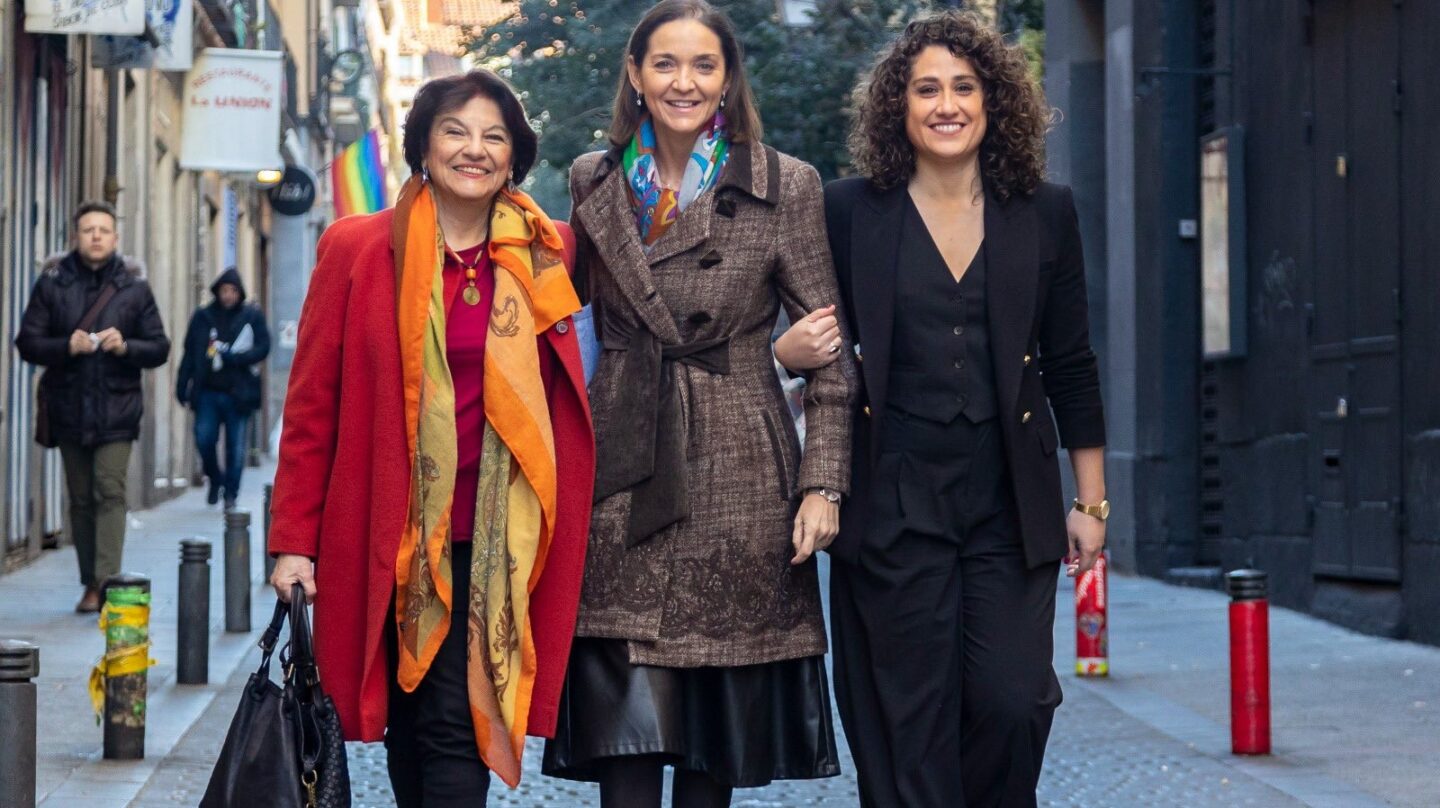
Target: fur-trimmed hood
{"x":56,"y":264}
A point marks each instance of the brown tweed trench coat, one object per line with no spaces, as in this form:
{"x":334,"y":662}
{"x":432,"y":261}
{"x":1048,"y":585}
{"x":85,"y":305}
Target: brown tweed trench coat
{"x":698,"y":469}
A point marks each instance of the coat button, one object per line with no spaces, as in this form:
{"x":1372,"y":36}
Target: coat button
{"x":1025,"y":419}
{"x":867,"y":410}
{"x":1027,"y":360}
{"x":562,"y":327}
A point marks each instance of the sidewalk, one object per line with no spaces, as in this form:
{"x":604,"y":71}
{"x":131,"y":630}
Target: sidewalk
{"x":1356,"y":719}
{"x":37,"y":602}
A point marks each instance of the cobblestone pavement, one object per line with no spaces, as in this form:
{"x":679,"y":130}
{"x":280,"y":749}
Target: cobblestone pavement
{"x":1353,"y":718}
{"x":1135,"y":765}
{"x":1099,"y":755}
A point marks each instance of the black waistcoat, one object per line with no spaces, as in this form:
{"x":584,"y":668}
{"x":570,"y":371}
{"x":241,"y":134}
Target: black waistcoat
{"x":940,"y":360}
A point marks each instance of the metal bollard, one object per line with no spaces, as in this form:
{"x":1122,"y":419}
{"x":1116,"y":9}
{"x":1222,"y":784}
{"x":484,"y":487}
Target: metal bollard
{"x":192,"y":636}
{"x":19,"y":663}
{"x":125,"y":691}
{"x":237,"y":570}
{"x":265,"y":539}
{"x":1249,"y":662}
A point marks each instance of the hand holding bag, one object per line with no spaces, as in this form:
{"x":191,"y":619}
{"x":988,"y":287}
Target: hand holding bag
{"x":284,"y":748}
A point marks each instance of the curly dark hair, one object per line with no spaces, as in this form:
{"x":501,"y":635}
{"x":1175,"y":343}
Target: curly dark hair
{"x":1012,"y":154}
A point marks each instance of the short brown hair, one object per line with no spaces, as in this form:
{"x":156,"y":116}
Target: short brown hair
{"x":450,"y":93}
{"x":94,"y":206}
{"x":742,"y":116}
{"x":1012,"y":154}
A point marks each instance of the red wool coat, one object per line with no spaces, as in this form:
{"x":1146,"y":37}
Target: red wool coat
{"x":343,"y":483}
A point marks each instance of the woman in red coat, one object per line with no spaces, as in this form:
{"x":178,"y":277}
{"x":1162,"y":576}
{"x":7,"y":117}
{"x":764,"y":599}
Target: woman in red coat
{"x":437,"y":458}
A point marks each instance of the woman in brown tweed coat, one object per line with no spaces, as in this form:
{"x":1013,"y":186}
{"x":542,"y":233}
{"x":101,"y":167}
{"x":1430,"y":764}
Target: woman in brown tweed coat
{"x":700,"y":637}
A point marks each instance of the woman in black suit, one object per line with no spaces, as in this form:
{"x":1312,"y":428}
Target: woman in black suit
{"x":961,"y":274}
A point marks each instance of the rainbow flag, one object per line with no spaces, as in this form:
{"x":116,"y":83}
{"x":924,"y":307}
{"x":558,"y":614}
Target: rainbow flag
{"x":358,"y":177}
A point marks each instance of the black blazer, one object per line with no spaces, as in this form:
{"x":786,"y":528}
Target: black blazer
{"x":1045,"y":371}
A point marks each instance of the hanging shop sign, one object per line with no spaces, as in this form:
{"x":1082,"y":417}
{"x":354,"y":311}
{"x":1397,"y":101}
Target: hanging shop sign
{"x":85,"y":16}
{"x":172,"y":22}
{"x":295,"y":193}
{"x":232,"y":111}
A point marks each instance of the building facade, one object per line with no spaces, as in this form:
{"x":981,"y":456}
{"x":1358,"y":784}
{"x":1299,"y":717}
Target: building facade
{"x":1253,"y":182}
{"x":72,"y":129}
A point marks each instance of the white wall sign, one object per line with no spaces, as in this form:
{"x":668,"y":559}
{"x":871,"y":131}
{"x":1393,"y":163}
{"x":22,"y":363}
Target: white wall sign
{"x":232,"y":111}
{"x":173,"y":24}
{"x":85,"y":16}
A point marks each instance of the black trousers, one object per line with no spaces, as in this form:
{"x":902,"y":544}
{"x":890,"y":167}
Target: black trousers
{"x":429,"y":735}
{"x":941,"y":635}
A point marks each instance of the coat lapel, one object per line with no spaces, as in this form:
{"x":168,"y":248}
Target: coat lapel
{"x":750,"y":170}
{"x":1011,"y":278}
{"x":610,"y":222}
{"x":874,"y":250}
{"x":688,"y":231}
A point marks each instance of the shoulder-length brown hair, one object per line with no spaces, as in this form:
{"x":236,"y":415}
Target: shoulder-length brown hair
{"x":742,"y":116}
{"x":1012,"y":154}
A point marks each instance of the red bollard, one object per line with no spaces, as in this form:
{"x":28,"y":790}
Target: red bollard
{"x":1092,"y":625}
{"x":1249,"y":662}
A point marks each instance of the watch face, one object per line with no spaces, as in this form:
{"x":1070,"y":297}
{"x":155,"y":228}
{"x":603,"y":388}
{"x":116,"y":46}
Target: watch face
{"x":1104,"y":509}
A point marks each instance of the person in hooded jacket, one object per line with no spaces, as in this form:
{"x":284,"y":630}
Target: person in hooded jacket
{"x":220,"y":379}
{"x":90,"y":399}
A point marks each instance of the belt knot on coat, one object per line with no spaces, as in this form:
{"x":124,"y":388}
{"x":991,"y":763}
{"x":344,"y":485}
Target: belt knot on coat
{"x":651,"y":458}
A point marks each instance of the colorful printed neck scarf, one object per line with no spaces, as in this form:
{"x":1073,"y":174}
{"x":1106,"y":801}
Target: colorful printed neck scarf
{"x":657,"y":207}
{"x":516,"y":497}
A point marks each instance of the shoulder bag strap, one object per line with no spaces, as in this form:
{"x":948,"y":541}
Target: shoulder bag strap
{"x":93,"y":313}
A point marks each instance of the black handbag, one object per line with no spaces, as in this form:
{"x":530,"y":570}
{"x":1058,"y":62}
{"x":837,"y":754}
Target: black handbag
{"x":284,"y":748}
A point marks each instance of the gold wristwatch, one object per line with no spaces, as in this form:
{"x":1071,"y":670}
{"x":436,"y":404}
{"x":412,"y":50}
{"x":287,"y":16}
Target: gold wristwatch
{"x":1100,"y":511}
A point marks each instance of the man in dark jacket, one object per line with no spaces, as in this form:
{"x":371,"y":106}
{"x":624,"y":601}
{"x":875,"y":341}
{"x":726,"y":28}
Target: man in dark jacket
{"x":220,"y":379}
{"x":90,"y":392}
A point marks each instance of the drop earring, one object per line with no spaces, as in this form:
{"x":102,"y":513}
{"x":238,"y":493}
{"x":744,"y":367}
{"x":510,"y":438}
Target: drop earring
{"x":639,"y":100}
{"x":722,"y":100}
{"x":510,"y":186}
{"x":425,"y":175}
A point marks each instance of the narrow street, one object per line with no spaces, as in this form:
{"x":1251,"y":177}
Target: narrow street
{"x":1356,"y":718}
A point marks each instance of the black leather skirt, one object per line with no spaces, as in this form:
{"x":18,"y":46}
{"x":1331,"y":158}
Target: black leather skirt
{"x":743,"y":726}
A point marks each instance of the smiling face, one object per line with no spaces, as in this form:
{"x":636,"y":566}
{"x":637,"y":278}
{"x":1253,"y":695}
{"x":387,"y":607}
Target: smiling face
{"x":682,"y":77}
{"x":945,"y":106}
{"x":469,"y":153}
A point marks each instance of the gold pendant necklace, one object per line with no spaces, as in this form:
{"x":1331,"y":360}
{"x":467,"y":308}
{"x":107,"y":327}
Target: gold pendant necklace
{"x":471,"y":295}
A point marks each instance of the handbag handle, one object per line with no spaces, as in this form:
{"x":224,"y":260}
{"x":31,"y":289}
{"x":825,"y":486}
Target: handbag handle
{"x":298,"y":656}
{"x":302,"y":680}
{"x":270,"y":637}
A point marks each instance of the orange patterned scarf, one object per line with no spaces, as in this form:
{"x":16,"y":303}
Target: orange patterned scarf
{"x":516,"y":497}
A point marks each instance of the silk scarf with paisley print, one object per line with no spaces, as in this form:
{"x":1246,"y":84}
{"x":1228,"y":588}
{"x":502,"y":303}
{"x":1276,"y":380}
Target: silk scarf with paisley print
{"x":516,"y":498}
